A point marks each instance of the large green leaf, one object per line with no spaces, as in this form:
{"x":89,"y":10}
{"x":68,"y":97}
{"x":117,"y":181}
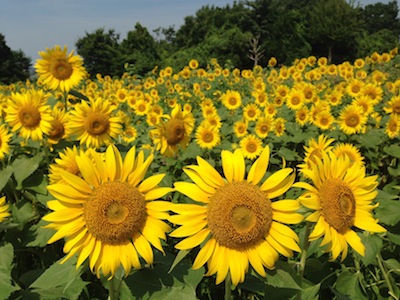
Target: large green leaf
{"x":392,"y":150}
{"x":5,"y":175}
{"x":60,"y":281}
{"x":348,"y":284}
{"x":6,"y":262}
{"x":24,"y":166}
{"x":22,"y":213}
{"x":373,"y":245}
{"x":281,"y":277}
{"x":157,"y":283}
{"x":39,"y":235}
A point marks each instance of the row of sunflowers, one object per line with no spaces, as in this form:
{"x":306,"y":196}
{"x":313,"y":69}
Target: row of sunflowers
{"x":279,"y":181}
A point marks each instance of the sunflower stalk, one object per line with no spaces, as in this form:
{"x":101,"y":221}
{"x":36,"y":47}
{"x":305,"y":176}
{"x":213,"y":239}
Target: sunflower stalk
{"x":228,"y":290}
{"x":115,"y":286}
{"x":392,"y":293}
{"x":302,"y":264}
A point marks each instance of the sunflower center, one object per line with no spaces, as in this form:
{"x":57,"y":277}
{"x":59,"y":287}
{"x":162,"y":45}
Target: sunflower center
{"x":115,"y":212}
{"x":396,"y":108}
{"x":57,"y":130}
{"x":295,"y":100}
{"x":232,"y":101}
{"x":338,"y":204}
{"x":208,"y":137}
{"x":239,"y":215}
{"x":29,"y":116}
{"x":96,"y":124}
{"x":251,"y":147}
{"x":352,"y":120}
{"x":174,"y":131}
{"x":61,"y":69}
{"x":251,"y":113}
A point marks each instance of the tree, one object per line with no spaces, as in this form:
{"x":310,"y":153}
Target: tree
{"x":380,"y":16}
{"x":334,"y":25}
{"x":101,"y":52}
{"x":14,"y":65}
{"x":140,"y":50}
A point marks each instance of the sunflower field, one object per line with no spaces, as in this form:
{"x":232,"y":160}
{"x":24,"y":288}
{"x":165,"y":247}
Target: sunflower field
{"x":209,"y":182}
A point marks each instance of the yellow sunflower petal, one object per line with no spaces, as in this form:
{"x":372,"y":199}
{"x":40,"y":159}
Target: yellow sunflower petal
{"x":188,"y":209}
{"x":239,"y":165}
{"x":143,"y":248}
{"x":88,"y":171}
{"x":256,"y":261}
{"x":259,"y":167}
{"x":150,"y":183}
{"x":86,"y":249}
{"x":286,"y":205}
{"x":113,"y":162}
{"x":227,"y":165}
{"x":190,"y":228}
{"x":204,"y":254}
{"x":157,"y":193}
{"x":194,"y":240}
{"x":198,"y":180}
{"x":192,"y":191}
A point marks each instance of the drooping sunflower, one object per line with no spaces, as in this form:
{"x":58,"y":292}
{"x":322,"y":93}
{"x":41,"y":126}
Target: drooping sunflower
{"x":109,"y":216}
{"x":207,"y":137}
{"x":29,"y":114}
{"x":393,"y":126}
{"x":251,"y":146}
{"x":59,"y":70}
{"x":95,"y":123}
{"x":232,"y":100}
{"x":352,"y":119}
{"x":5,"y":137}
{"x":173,"y":132}
{"x":4,"y":213}
{"x":341,"y":198}
{"x":315,"y":149}
{"x":234,"y":219}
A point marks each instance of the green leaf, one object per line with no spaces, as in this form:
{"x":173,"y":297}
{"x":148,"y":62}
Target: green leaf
{"x":6,"y":261}
{"x":347,"y":283}
{"x":78,"y":95}
{"x":39,"y":235}
{"x":280,"y":278}
{"x":388,"y":212}
{"x":373,"y":245}
{"x":288,"y":154}
{"x":394,"y":238}
{"x":5,"y":175}
{"x":60,"y":281}
{"x":181,"y":255}
{"x":24,"y":166}
{"x":311,"y":292}
{"x":392,"y":265}
{"x":23,"y":213}
{"x":371,"y":139}
{"x":392,"y":150}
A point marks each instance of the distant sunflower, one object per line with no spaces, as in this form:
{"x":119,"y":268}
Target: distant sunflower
{"x":264,"y":125}
{"x":207,"y":137}
{"x":393,"y":126}
{"x":94,"y":123}
{"x":173,"y":132}
{"x":29,"y":114}
{"x":251,"y":112}
{"x":324,"y":120}
{"x":302,"y":116}
{"x":5,"y":137}
{"x":279,"y":126}
{"x":352,"y":119}
{"x":251,"y":146}
{"x":234,"y":219}
{"x":65,"y":162}
{"x":315,"y":149}
{"x":240,"y":128}
{"x":393,"y":106}
{"x":295,"y":99}
{"x":129,"y":134}
{"x":59,"y":70}
{"x":109,"y":216}
{"x":231,"y":100}
{"x":354,"y":87}
{"x":4,"y":213}
{"x":341,"y":196}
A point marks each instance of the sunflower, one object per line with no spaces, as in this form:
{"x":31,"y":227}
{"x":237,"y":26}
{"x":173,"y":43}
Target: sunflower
{"x":279,"y":126}
{"x":231,"y":100}
{"x":5,"y":137}
{"x":129,"y":134}
{"x":29,"y":113}
{"x":351,"y":151}
{"x":94,"y":123}
{"x":354,"y":87}
{"x":59,"y":70}
{"x":365,"y":102}
{"x":352,"y":119}
{"x":302,"y":116}
{"x":65,"y":162}
{"x":264,"y":125}
{"x":59,"y":126}
{"x":251,"y":112}
{"x":341,"y":198}
{"x":251,"y":146}
{"x":109,"y":216}
{"x":324,"y":120}
{"x":315,"y":149}
{"x":173,"y":132}
{"x":4,"y":213}
{"x":295,"y":99}
{"x":393,"y":126}
{"x":234,"y":219}
{"x":240,"y":128}
{"x":393,"y":106}
{"x":207,"y":137}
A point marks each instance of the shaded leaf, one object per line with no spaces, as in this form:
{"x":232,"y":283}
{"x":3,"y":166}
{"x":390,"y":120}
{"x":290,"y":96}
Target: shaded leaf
{"x":373,"y":245}
{"x":347,"y":283}
{"x":6,"y":260}
{"x":5,"y":175}
{"x":392,"y":150}
{"x":24,"y":166}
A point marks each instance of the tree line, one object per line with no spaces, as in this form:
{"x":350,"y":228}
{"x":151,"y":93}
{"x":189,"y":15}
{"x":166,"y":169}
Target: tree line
{"x":241,"y":35}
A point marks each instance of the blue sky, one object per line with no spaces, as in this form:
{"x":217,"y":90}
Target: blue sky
{"x":33,"y":25}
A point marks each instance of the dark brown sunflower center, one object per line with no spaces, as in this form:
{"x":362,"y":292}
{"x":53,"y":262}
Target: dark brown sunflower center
{"x":174,"y":131}
{"x":338,"y":204}
{"x":29,"y":116}
{"x":239,"y":215}
{"x":396,"y":108}
{"x":115,"y":212}
{"x":251,"y":147}
{"x":295,"y":100}
{"x":57,"y":130}
{"x":96,"y":124}
{"x":251,"y":113}
{"x":232,"y":101}
{"x":61,"y":69}
{"x":352,"y":120}
{"x":208,"y":136}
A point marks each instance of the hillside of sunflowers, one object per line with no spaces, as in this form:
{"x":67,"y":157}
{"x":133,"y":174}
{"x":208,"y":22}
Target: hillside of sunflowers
{"x":277,"y":182}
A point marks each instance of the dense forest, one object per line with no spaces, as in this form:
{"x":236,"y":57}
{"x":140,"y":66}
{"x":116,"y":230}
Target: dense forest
{"x":243,"y":34}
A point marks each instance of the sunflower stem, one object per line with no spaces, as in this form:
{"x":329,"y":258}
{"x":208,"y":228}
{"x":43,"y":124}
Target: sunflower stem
{"x":115,"y":285}
{"x":66,"y":101}
{"x":386,"y":276}
{"x":302,"y":264}
{"x":228,"y":290}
